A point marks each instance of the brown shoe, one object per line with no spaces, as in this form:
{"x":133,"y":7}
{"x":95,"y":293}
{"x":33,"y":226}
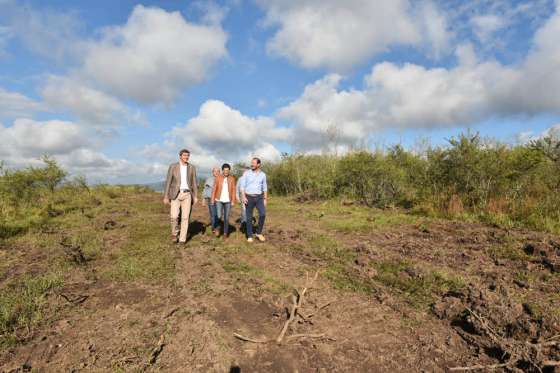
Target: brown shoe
{"x":173,"y":238}
{"x":225,"y":237}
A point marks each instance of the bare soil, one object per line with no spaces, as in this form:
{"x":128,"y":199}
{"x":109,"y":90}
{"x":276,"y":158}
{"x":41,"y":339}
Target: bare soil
{"x":421,"y":295}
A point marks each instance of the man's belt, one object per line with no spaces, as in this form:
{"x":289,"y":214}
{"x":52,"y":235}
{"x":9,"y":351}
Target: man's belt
{"x":184,"y":190}
{"x":253,"y":195}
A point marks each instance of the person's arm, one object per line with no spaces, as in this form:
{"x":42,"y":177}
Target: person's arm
{"x":243,"y":187}
{"x":214,"y":193}
{"x":167,"y":185}
{"x":195,"y":187}
{"x":234,"y":197}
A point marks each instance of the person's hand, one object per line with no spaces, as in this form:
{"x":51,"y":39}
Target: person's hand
{"x":195,"y":201}
{"x":244,"y":200}
{"x":166,"y":201}
{"x":265,"y":202}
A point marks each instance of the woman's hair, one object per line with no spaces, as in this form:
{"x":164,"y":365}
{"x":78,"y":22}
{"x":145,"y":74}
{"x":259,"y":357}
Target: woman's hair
{"x":226,"y":165}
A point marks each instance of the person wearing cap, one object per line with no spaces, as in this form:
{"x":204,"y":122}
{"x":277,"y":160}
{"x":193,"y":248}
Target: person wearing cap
{"x":180,"y":194}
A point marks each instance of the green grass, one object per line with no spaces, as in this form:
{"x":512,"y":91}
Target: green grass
{"x":509,"y":251}
{"x":244,"y":270}
{"x":24,"y":304}
{"x":341,"y":277}
{"x":418,"y":290}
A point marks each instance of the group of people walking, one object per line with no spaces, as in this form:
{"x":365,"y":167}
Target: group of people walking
{"x":221,"y":192}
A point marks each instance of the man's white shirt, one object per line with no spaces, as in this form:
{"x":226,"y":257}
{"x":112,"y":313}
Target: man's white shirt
{"x":184,"y":182}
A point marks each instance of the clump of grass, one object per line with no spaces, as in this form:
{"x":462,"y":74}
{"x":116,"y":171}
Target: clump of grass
{"x":417,"y":289}
{"x":508,"y":251}
{"x":23,"y":305}
{"x":342,"y":278}
{"x":245,"y":270}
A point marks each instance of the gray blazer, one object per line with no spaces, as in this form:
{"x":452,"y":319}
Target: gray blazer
{"x":173,"y":181}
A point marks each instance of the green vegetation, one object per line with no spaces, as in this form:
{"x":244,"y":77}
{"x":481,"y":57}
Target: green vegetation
{"x":471,"y":178}
{"x":22,"y":306}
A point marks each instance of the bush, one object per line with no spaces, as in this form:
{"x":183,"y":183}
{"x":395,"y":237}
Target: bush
{"x":471,"y":176}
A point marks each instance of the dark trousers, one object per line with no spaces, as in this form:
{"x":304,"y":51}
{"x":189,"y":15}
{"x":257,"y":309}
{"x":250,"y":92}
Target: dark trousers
{"x":226,"y":208}
{"x":252,"y":202}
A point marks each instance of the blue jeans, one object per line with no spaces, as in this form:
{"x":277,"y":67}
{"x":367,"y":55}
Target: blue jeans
{"x":252,"y":202}
{"x":213,"y":214}
{"x":225,"y":207}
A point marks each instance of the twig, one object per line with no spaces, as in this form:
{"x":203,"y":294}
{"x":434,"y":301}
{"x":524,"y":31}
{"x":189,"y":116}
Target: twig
{"x":157,"y":350}
{"x":479,"y":367}
{"x":247,"y":339}
{"x":295,"y":336}
{"x":171,"y":313}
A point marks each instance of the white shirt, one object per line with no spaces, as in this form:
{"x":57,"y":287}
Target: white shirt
{"x":224,"y":195}
{"x":184,"y":182}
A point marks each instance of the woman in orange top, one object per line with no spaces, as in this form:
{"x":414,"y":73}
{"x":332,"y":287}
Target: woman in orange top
{"x":223,"y":194}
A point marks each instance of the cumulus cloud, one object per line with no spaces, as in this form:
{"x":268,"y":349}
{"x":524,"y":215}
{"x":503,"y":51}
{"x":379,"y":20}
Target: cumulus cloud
{"x":14,"y":104}
{"x":29,"y":138}
{"x":90,"y":105}
{"x":220,"y":134}
{"x":155,"y":55}
{"x":339,"y":34}
{"x":413,"y":96}
{"x":226,"y":133}
{"x":26,"y":140}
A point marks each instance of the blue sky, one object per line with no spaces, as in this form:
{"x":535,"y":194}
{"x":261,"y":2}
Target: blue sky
{"x":114,"y":89}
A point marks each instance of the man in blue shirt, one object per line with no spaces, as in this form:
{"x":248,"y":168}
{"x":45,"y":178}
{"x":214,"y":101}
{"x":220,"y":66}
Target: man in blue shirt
{"x":254,"y":193}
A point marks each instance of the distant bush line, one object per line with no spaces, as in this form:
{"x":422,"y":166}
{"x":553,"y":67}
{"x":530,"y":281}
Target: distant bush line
{"x":470,"y":178}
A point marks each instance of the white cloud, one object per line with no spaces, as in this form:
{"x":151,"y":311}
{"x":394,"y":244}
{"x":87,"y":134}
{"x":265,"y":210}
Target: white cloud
{"x":88,"y":104}
{"x":155,"y":55}
{"x":484,"y":26}
{"x":14,"y":104}
{"x":27,"y":138}
{"x":339,"y":34}
{"x":51,"y":34}
{"x":225,"y":133}
{"x":220,"y":134}
{"x":413,"y":96}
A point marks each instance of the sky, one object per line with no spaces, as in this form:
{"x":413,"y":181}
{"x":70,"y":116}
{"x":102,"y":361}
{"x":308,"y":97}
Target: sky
{"x":113,"y":90}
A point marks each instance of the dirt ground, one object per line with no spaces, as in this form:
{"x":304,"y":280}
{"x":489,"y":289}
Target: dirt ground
{"x":394,"y":292}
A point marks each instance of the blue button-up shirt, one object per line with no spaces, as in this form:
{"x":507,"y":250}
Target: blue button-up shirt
{"x":254,"y":182}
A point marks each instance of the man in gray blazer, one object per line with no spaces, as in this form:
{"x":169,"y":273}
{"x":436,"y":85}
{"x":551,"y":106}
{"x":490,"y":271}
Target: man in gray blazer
{"x":181,"y":194}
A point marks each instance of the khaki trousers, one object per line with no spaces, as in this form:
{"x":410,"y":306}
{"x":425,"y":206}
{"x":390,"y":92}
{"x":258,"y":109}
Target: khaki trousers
{"x":182,"y":204}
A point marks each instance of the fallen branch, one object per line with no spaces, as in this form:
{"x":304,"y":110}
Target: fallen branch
{"x":296,"y":304}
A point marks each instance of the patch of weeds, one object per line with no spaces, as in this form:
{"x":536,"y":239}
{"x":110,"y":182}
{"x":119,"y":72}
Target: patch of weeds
{"x":274,"y":285}
{"x":23,"y":305}
{"x":508,"y":251}
{"x":144,"y":256}
{"x":418,"y":289}
{"x":342,"y":278}
{"x":327,"y":248}
{"x":360,"y":222}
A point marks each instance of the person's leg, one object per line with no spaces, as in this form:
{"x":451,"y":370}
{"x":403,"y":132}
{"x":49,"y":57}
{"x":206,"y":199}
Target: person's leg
{"x":262,"y":214}
{"x":216,"y":206}
{"x":174,"y":214}
{"x":226,"y":210}
{"x":249,"y":212}
{"x":211,"y":212}
{"x":243,"y":214}
{"x":218,"y":212}
{"x":185,"y":216}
